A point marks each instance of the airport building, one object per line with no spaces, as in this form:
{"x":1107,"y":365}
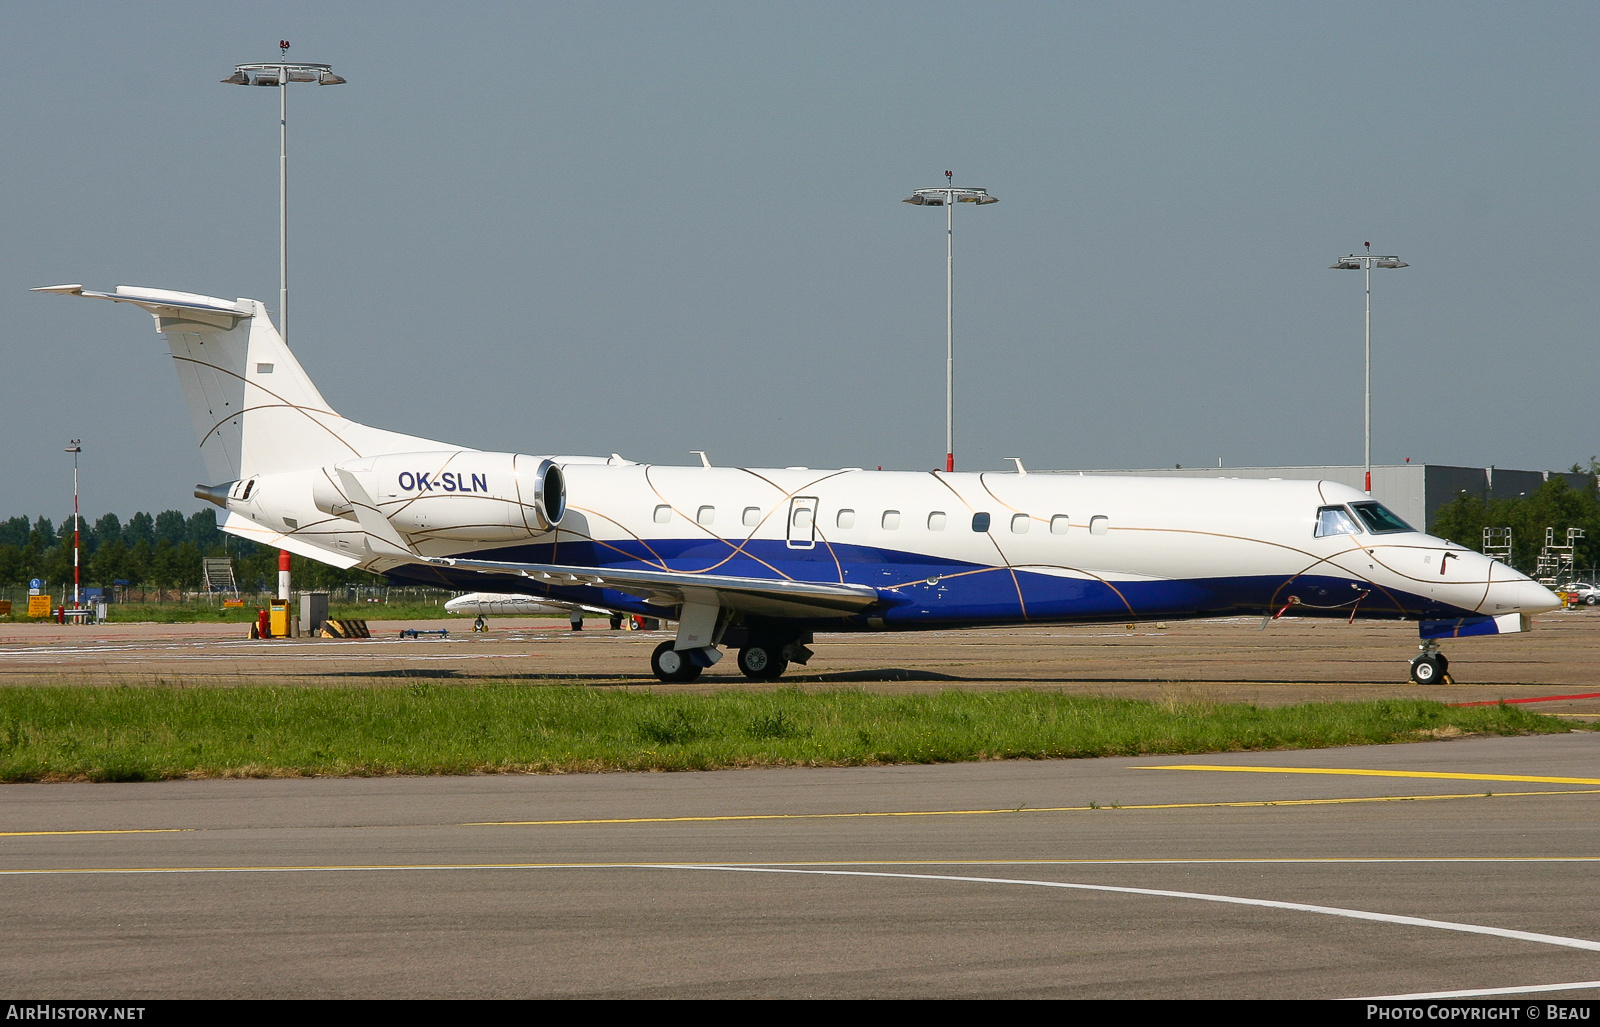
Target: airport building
{"x":1414,"y":491}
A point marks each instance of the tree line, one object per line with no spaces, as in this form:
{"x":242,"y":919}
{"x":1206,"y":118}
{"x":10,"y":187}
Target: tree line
{"x":1555,"y":505}
{"x":161,"y":552}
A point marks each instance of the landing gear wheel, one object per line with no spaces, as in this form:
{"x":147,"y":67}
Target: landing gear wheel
{"x":1430,"y":669}
{"x":673,"y":666}
{"x":616,"y":622}
{"x":762,"y":662}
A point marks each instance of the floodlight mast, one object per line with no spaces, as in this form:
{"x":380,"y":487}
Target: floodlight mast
{"x":947,"y":196}
{"x":1365,"y":262}
{"x":280,"y":73}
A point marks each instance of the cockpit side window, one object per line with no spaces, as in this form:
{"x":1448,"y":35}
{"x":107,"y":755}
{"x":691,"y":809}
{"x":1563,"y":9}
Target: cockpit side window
{"x":1336,"y":520}
{"x":1379,"y":519}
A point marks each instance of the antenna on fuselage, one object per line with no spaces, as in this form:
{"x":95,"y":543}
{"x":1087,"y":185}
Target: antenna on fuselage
{"x":704,"y":460}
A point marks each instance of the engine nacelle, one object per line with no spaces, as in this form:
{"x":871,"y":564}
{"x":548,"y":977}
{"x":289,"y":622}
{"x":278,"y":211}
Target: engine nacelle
{"x":461,"y":495}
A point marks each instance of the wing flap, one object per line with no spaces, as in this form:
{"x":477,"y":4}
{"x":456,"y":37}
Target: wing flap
{"x":244,"y":527}
{"x":767,"y":597}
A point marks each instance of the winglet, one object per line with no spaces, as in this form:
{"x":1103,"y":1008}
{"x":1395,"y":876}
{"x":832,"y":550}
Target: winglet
{"x":374,"y":523}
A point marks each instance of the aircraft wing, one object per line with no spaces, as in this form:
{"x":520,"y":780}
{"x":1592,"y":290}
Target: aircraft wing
{"x":768,"y":597}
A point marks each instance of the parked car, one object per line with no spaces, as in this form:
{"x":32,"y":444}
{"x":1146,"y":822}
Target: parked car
{"x":1582,"y":591}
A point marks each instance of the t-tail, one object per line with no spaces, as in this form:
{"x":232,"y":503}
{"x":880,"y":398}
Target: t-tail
{"x":255,"y":410}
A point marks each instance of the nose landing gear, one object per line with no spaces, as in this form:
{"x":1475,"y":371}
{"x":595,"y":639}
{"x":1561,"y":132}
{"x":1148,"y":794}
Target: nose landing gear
{"x":1431,"y":667}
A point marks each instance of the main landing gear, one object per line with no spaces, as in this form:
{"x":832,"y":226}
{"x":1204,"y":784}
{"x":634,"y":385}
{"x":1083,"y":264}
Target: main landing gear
{"x":1431,"y":667}
{"x":762,"y":662}
{"x":759,"y":659}
{"x":674,"y":666}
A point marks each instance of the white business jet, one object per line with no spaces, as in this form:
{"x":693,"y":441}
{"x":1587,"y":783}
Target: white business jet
{"x":502,"y":604}
{"x":759,"y":559}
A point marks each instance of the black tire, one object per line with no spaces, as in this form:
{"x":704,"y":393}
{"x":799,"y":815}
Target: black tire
{"x":616,"y":622}
{"x":671,"y":666}
{"x":762,"y":662}
{"x":1429,"y":670}
{"x":1591,"y":599}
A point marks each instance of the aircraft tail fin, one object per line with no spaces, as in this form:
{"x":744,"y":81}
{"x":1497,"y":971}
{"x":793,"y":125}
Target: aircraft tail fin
{"x":255,"y":410}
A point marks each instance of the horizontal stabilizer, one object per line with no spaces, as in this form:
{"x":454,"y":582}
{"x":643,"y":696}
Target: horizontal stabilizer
{"x":1464,"y":627}
{"x":154,"y":300}
{"x":770,"y":597}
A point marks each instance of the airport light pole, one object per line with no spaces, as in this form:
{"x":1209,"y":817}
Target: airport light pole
{"x":280,"y":73}
{"x":947,"y":196}
{"x":1365,"y":262}
{"x":75,"y":447}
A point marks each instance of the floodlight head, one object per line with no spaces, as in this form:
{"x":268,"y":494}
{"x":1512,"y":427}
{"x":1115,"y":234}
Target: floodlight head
{"x":1392,"y":262}
{"x":1346,"y":264}
{"x":938,"y":196}
{"x":274,"y":73}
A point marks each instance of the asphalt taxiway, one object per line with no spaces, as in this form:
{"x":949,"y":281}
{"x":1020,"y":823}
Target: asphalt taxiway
{"x":1417,"y":869}
{"x":1233,"y":659}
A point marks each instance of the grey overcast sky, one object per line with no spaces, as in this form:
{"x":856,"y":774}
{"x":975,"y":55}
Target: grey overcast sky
{"x":655,"y":227}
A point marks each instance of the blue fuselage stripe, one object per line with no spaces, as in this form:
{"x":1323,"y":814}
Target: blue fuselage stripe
{"x":920,"y":591}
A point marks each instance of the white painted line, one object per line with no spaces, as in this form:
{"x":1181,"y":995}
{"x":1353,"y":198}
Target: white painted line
{"x":1354,"y":914}
{"x":1531,"y":989}
{"x":1298,"y":907}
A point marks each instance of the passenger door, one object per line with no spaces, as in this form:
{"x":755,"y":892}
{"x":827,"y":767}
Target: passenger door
{"x":802,"y":531}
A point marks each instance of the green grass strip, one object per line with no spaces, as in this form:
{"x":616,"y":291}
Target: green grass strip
{"x":154,"y":733}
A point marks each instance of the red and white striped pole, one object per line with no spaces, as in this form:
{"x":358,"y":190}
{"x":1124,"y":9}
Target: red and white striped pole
{"x":283,"y":575}
{"x":75,"y":449}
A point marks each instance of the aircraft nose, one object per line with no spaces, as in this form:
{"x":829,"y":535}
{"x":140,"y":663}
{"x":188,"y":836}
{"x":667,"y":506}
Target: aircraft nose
{"x":1522,"y":596}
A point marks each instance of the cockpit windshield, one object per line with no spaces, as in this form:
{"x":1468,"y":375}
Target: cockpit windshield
{"x":1336,"y":520}
{"x":1379,"y":519}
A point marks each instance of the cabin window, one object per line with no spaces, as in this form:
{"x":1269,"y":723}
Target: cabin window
{"x":706,"y":515}
{"x":752,"y":516}
{"x":1099,"y":524}
{"x":846,"y":519}
{"x":891,"y":520}
{"x":936,"y":521}
{"x":980,"y":522}
{"x":1019,"y":524}
{"x":663,"y":514}
{"x":1335,"y":520}
{"x":802,"y":520}
{"x":1059,"y":524}
{"x":1379,"y":519}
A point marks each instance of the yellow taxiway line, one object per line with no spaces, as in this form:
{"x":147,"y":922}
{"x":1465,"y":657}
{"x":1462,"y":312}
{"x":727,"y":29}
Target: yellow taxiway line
{"x":1019,"y":809}
{"x":131,"y":830}
{"x":1097,"y":807}
{"x":304,"y":868}
{"x":1434,"y":775}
